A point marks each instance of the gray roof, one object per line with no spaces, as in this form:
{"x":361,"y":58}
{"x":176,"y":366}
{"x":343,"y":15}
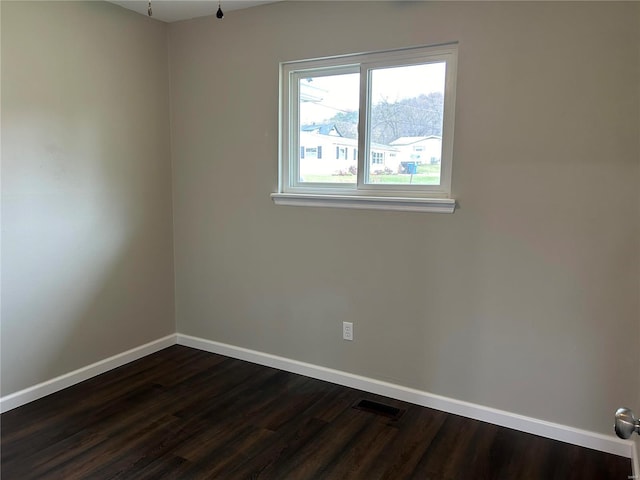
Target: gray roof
{"x":321,"y":128}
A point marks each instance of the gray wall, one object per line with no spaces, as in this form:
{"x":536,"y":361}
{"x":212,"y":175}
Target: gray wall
{"x":522,"y":300}
{"x":87,"y":254}
{"x":526,"y":299}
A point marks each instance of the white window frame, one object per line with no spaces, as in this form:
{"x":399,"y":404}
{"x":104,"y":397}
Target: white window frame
{"x":426,"y":198}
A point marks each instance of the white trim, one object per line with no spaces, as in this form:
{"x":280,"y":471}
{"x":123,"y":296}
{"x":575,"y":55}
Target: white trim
{"x":555,"y":431}
{"x":433,"y":205}
{"x":14,"y":400}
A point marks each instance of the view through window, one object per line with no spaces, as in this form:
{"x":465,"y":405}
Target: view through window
{"x":370,"y":124}
{"x":405,"y":128}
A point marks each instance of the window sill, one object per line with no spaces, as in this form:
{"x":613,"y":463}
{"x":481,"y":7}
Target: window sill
{"x":429,"y":205}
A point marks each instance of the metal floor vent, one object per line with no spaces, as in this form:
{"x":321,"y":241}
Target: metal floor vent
{"x":379,"y":409}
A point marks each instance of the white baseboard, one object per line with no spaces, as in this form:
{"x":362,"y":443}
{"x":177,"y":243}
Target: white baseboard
{"x":555,"y":431}
{"x":35,"y":392}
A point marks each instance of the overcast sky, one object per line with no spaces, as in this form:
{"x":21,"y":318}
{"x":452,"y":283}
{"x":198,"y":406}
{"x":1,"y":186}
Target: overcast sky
{"x":340,"y":92}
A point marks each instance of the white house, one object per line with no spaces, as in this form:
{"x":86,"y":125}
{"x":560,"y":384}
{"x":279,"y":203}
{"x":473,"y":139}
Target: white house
{"x":323,"y":151}
{"x":419,"y":149}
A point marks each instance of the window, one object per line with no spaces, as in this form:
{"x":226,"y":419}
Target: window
{"x":386,"y":106}
{"x":311,"y":152}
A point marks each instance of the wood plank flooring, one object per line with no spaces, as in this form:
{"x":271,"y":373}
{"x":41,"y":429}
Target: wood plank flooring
{"x":186,"y":414}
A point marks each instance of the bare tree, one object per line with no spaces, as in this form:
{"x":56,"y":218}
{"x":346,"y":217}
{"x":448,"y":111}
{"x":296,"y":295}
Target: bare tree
{"x":410,"y":117}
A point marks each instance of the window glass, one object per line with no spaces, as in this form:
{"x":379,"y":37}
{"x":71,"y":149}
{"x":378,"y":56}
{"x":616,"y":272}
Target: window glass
{"x":328,"y":116}
{"x":406,"y":117}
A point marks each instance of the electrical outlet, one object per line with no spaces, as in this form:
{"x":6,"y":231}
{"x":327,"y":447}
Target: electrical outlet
{"x":347,"y":331}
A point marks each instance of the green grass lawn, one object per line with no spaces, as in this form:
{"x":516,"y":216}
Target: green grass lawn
{"x":427,"y":175}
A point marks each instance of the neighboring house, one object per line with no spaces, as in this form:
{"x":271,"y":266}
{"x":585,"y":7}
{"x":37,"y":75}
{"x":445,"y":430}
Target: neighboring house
{"x":323,"y":151}
{"x":322,"y":129}
{"x":419,"y":149}
{"x":326,"y":153}
{"x":384,"y":159}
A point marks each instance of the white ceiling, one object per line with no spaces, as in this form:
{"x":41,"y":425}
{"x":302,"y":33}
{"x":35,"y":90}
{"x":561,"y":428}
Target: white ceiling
{"x":175,"y":10}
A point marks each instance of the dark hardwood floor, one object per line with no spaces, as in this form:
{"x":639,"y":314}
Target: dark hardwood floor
{"x":186,"y":414}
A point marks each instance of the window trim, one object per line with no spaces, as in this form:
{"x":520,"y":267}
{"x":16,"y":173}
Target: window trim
{"x":426,"y":198}
{"x":369,"y":202}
